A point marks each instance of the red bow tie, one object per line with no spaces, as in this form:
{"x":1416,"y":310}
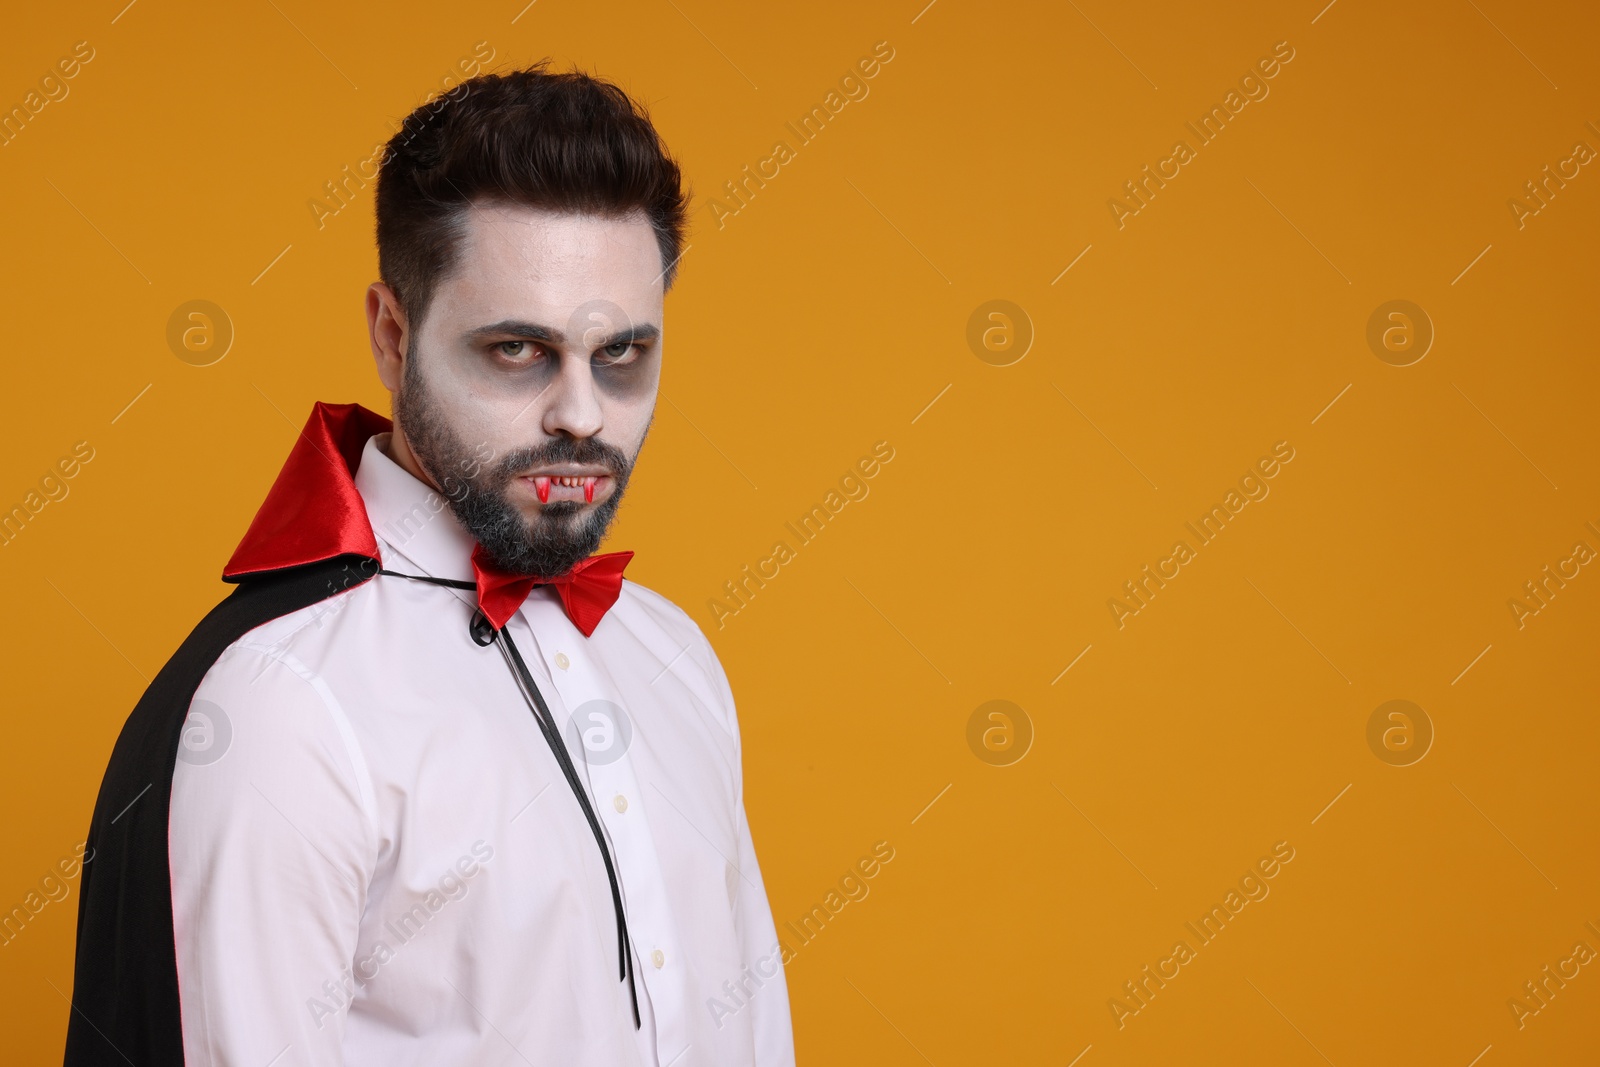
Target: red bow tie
{"x":587,"y":591}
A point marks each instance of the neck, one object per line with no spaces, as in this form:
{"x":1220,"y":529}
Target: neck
{"x":396,"y":447}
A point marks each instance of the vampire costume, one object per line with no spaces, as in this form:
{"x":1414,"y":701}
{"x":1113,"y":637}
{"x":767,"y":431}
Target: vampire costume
{"x":388,"y":804}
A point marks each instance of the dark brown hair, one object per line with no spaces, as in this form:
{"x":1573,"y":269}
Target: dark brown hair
{"x":562,"y":141}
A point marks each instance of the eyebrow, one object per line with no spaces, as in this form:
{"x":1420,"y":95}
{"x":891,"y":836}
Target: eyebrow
{"x":533,"y":331}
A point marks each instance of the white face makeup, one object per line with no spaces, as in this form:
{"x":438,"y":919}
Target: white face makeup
{"x":539,"y":357}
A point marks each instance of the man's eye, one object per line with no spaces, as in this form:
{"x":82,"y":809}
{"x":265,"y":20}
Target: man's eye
{"x":520,"y":351}
{"x":619,"y":351}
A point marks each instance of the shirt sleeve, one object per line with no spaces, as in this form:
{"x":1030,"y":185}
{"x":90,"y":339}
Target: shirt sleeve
{"x":774,"y":1035}
{"x":758,"y":938}
{"x":271,"y":844}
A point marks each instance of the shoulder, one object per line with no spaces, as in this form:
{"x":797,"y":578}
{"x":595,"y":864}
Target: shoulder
{"x":679,"y":638}
{"x":316,"y":623}
{"x":652,"y":609}
{"x":265,"y":709}
{"x":658,"y":608}
{"x":284,"y":660}
{"x":296,"y":647}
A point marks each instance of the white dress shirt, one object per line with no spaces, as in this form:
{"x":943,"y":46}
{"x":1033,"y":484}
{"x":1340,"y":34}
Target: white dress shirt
{"x":376,"y":859}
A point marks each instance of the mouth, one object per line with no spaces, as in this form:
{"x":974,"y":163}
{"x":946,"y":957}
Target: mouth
{"x":554,"y":487}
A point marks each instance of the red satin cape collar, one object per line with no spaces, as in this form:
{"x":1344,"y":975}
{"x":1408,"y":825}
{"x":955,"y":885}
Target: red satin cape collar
{"x":313,"y":511}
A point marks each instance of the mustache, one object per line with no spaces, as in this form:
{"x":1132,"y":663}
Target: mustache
{"x":588,"y":451}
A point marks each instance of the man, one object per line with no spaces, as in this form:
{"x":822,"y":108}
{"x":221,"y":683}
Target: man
{"x":436,"y":785}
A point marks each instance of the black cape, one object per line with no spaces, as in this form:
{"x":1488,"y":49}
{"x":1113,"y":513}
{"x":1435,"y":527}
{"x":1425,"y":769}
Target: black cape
{"x":125,"y":983}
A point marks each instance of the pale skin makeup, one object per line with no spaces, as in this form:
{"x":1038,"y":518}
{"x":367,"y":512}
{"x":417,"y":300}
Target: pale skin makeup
{"x":549,"y":325}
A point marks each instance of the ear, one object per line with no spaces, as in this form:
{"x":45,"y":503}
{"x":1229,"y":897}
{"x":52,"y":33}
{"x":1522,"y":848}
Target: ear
{"x":388,"y":333}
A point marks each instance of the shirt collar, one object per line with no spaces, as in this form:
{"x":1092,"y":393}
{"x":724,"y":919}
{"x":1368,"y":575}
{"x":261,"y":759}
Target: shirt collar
{"x":410,"y":517}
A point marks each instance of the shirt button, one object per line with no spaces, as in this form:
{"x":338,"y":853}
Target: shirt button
{"x":562,"y":661}
{"x":658,"y":958}
{"x":620,"y":802}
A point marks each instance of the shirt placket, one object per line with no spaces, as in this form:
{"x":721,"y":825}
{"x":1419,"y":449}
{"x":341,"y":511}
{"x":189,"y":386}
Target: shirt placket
{"x":600,"y":729}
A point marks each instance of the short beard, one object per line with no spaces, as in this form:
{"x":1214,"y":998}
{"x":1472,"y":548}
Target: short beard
{"x":549,"y":545}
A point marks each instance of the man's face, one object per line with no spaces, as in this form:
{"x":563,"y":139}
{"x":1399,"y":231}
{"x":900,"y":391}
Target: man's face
{"x":529,"y":387}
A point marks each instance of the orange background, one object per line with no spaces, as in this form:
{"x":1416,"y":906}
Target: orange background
{"x":827,"y":315}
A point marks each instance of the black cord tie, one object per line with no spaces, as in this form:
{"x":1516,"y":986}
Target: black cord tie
{"x":484,"y":633}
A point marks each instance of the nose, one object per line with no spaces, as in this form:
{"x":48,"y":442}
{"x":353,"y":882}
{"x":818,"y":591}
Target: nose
{"x":572,"y":406}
